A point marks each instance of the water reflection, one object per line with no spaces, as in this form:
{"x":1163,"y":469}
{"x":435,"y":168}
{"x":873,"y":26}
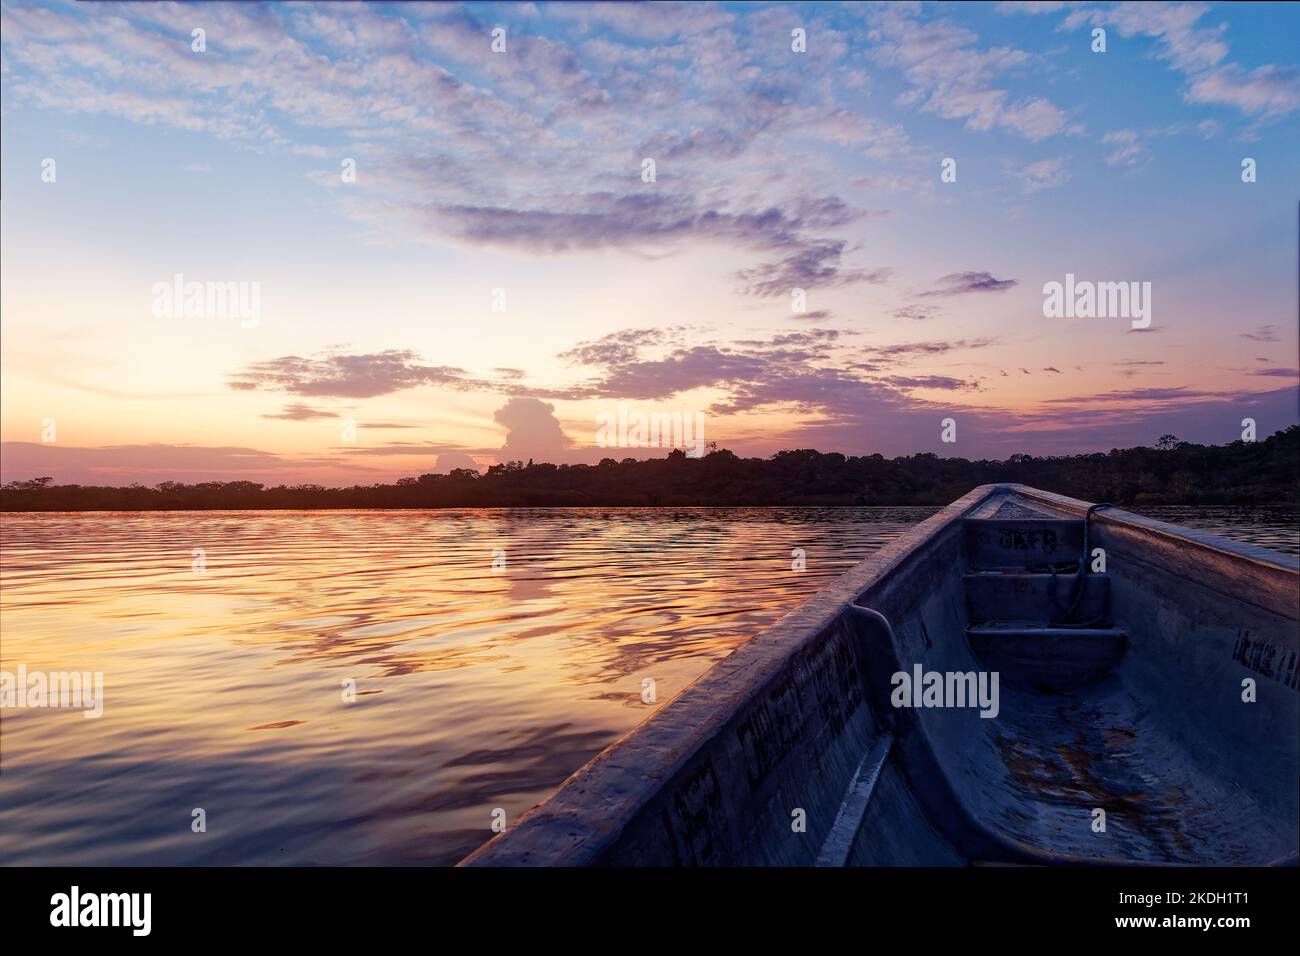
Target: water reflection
{"x":475,"y":689}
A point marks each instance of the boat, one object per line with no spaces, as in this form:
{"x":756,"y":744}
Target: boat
{"x":1022,"y":679}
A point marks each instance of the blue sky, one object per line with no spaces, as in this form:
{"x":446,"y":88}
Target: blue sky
{"x":521,"y":171}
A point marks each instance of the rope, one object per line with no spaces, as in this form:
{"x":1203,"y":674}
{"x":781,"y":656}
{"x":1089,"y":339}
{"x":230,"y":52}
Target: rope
{"x":1081,"y":577}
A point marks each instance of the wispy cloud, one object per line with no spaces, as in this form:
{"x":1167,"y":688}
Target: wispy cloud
{"x":298,"y":412}
{"x":952,"y":76}
{"x":961,"y":283}
{"x":395,"y":85}
{"x":1196,"y":51}
{"x":1269,"y":91}
{"x":1132,"y":367}
{"x":915,"y":313}
{"x":813,"y":267}
{"x":1128,"y":150}
{"x":341,"y":375}
{"x":926,"y":348}
{"x":1043,"y":174}
{"x":1262,"y":333}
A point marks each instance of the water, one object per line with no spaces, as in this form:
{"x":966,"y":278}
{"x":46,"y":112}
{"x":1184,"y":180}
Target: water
{"x":476,"y":690}
{"x":1269,"y":527}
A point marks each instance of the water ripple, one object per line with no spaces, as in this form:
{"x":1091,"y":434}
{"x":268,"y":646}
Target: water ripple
{"x":469,"y":689}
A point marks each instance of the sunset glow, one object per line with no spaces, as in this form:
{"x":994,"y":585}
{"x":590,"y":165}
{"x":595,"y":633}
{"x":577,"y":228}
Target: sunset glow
{"x":522,"y":172}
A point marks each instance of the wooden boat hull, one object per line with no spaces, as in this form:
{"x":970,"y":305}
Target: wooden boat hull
{"x":1155,"y":723}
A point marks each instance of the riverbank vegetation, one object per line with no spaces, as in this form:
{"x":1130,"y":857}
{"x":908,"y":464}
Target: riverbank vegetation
{"x":1174,"y":472}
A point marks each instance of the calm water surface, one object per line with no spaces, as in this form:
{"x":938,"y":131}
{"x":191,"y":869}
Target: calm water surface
{"x":1268,"y":527}
{"x":475,"y":689}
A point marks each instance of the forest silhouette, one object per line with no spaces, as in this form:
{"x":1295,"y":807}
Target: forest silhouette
{"x":1173,"y":472}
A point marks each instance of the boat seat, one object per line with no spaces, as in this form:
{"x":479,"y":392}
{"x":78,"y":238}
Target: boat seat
{"x":1033,"y":596}
{"x":1055,"y":657}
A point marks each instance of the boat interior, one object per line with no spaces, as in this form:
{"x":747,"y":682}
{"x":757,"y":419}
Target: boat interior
{"x":1146,"y":712}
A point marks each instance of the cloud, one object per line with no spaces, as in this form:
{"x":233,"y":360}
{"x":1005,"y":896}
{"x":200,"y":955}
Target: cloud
{"x":644,"y":22}
{"x":815,"y":266}
{"x":1153,"y":394}
{"x":887,"y":353}
{"x":562,"y":109}
{"x":807,"y":371}
{"x":645,"y":220}
{"x":807,"y":344}
{"x":625,"y":345}
{"x":538,"y":154}
{"x":298,"y":412}
{"x":1199,"y":53}
{"x":952,"y":77}
{"x":1263,"y":333}
{"x":149,"y":463}
{"x":1036,"y":6}
{"x":916,"y":313}
{"x":336,"y":374}
{"x":392,"y":448}
{"x":1044,"y":174}
{"x":1187,"y":47}
{"x":1132,"y":367}
{"x":453,"y":459}
{"x":960,"y":283}
{"x":1269,"y":91}
{"x":532,"y":431}
{"x":1130,"y":150}
{"x":1139,"y":417}
{"x":699,"y":366}
{"x":944,"y":382}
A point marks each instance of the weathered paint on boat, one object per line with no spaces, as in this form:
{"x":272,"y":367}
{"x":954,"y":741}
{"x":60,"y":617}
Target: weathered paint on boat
{"x":1136,"y":710}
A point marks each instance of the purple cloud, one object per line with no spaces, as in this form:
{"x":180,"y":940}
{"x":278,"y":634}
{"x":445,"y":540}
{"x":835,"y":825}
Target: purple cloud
{"x":960,"y":283}
{"x":933,"y":381}
{"x":916,"y":313}
{"x":337,"y":374}
{"x":889,"y":353}
{"x":1264,"y":333}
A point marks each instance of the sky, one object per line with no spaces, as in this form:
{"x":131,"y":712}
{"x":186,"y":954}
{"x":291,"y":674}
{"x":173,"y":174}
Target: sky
{"x":463,"y":233}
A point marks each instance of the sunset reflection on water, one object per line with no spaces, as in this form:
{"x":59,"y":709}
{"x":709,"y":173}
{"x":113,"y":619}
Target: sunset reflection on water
{"x":475,"y":689}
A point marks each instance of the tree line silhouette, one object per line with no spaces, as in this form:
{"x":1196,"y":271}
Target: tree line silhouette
{"x":1174,"y":472}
